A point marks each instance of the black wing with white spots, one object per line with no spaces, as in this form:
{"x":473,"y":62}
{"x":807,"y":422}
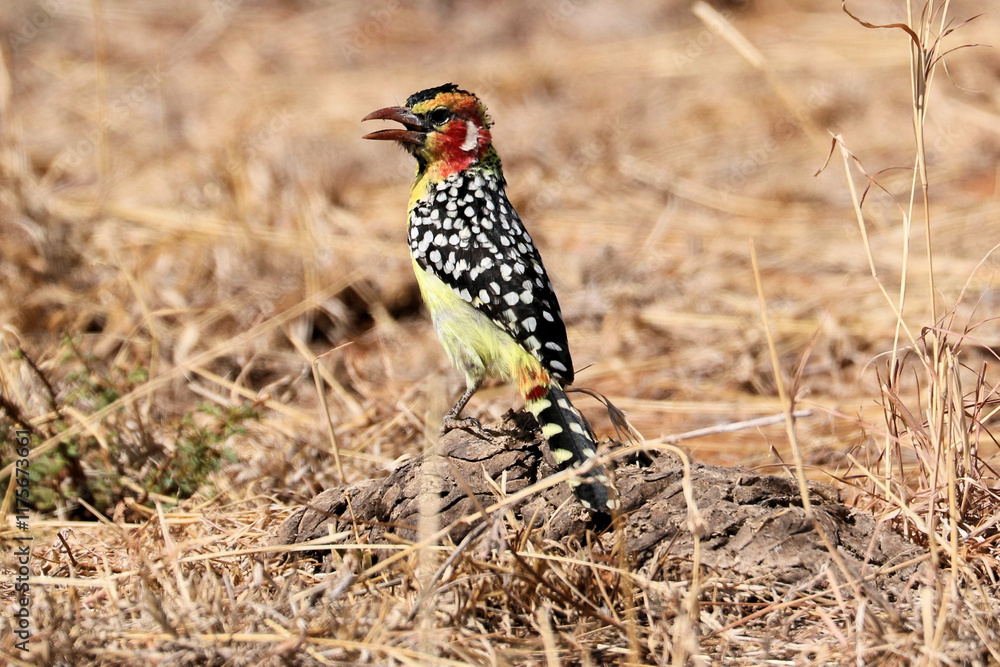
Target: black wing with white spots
{"x":465,"y":232}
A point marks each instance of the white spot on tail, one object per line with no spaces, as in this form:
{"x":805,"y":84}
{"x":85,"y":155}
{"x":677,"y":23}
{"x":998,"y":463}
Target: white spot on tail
{"x":549,"y":430}
{"x":562,"y":455}
{"x":536,"y":407}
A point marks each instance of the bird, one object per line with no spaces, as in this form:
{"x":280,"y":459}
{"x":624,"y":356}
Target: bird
{"x":482,"y":278}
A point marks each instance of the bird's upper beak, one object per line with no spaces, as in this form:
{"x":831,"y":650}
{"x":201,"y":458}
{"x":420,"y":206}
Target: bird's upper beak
{"x":413,"y":134}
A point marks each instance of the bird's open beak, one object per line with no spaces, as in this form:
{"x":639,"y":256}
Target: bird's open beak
{"x":413,"y":134}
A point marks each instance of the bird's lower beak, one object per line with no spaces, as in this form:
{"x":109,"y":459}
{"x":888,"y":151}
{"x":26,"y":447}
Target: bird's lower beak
{"x":413,"y":134}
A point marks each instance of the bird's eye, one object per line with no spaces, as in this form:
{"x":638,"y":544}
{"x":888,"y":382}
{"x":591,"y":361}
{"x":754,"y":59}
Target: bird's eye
{"x":439,"y":116}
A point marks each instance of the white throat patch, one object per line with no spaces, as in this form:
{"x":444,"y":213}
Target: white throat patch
{"x":471,"y":136}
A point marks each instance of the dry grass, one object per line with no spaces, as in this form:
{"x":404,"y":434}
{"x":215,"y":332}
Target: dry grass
{"x":188,"y":216}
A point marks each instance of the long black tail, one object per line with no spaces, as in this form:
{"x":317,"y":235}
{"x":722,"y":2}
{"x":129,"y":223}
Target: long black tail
{"x":572,"y":444}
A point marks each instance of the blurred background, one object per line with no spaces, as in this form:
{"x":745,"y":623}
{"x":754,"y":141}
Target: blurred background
{"x":189,"y":218}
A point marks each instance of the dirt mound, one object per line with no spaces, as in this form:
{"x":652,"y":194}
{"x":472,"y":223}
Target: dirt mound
{"x":752,"y":525}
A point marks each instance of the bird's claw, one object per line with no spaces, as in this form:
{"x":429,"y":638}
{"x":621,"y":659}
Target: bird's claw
{"x":471,"y":424}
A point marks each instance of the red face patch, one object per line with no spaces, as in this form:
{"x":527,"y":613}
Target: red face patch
{"x":462,"y":140}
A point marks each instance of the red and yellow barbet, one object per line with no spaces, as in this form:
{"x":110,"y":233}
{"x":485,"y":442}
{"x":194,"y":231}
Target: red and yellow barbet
{"x":482,"y":277}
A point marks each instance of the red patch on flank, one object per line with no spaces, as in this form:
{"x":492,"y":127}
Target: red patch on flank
{"x":536,"y":393}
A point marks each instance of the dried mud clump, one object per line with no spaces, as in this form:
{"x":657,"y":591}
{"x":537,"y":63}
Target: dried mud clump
{"x":753,"y":526}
